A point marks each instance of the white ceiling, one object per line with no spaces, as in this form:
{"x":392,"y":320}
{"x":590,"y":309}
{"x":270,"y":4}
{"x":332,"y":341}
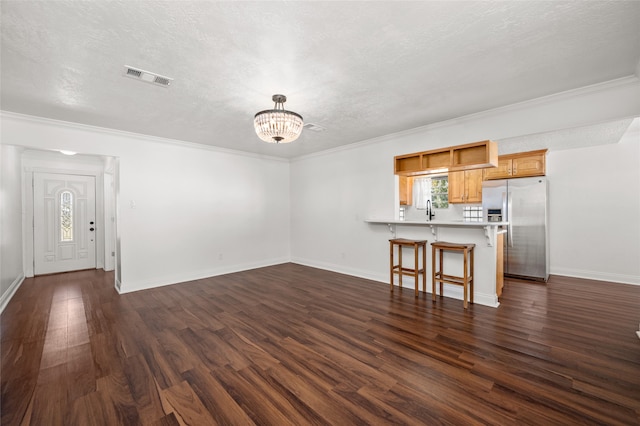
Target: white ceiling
{"x":358,"y":69}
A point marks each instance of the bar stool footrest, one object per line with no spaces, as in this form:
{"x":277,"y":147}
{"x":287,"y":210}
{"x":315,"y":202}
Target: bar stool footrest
{"x":451,"y":279}
{"x":398,"y":269}
{"x":439,"y":277}
{"x":407,"y":271}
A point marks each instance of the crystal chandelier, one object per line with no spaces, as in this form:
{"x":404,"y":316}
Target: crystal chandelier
{"x":278,"y":125}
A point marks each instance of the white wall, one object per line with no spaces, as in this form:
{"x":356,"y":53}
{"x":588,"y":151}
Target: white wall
{"x":187,"y":212}
{"x":594,"y":194}
{"x":333,"y":192}
{"x":184,"y":212}
{"x":331,"y":196}
{"x":11,"y":266}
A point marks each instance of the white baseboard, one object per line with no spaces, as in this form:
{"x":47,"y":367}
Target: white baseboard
{"x":341,"y":269}
{"x":456,"y":292}
{"x":131,"y":286}
{"x":6,"y":297}
{"x":598,"y":276}
{"x":452,"y":291}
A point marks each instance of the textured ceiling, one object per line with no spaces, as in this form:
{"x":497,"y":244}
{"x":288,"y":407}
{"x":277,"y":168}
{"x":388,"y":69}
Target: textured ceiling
{"x":579,"y":137}
{"x":358,"y":69}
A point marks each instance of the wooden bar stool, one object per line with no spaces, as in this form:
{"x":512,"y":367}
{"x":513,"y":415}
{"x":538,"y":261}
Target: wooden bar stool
{"x":416,"y":270}
{"x":466,"y":280}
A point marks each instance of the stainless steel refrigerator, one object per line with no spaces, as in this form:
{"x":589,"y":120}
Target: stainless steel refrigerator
{"x":523,"y":202}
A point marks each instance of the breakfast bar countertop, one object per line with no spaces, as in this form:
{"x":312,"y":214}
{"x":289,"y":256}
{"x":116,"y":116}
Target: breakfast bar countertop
{"x":491,"y":229}
{"x":437,"y":222}
{"x":483,"y":234}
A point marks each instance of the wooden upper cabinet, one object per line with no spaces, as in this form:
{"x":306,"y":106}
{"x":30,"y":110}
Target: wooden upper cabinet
{"x":406,"y":190}
{"x":456,"y":187}
{"x":465,"y":186}
{"x":501,"y":172}
{"x":530,"y":165}
{"x":523,"y":164}
{"x":473,"y":184}
{"x":475,"y":155}
{"x":407,"y":165}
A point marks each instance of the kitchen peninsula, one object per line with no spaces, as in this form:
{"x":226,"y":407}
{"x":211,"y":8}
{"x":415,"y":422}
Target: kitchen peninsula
{"x":488,"y":257}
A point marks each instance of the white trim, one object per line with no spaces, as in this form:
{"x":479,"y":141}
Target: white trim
{"x":120,"y":133}
{"x":568,"y":95}
{"x":28,"y":216}
{"x":597,"y":276}
{"x":131,"y":286}
{"x":630,"y":80}
{"x":454,"y":292}
{"x":27,"y":223}
{"x":6,"y":297}
{"x":573,"y":94}
{"x":76,"y":172}
{"x":340,"y":269}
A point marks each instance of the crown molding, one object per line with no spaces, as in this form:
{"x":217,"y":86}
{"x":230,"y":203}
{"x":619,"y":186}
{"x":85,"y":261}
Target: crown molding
{"x":121,"y":133}
{"x":573,"y":94}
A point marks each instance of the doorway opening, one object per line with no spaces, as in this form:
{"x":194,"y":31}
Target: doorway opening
{"x":70,"y":213}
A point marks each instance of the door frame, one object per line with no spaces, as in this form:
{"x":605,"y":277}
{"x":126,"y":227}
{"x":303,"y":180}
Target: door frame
{"x":94,"y":217}
{"x":29,"y":211}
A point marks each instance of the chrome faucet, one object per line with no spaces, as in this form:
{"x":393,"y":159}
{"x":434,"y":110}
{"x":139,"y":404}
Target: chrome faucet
{"x":430,"y":213}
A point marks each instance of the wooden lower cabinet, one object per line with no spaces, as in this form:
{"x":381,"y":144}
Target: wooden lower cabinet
{"x":500,"y":264}
{"x":465,"y":186}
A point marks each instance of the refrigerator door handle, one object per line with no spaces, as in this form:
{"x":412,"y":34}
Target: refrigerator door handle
{"x":505,"y":214}
{"x":510,"y":210}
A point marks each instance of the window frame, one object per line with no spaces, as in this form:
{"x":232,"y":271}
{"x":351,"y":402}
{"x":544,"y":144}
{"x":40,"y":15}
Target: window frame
{"x":442,"y":204}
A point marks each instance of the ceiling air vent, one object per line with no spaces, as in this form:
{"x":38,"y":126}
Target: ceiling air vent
{"x":134,"y":73}
{"x":162,"y":80}
{"x":313,"y":127}
{"x":147,"y":76}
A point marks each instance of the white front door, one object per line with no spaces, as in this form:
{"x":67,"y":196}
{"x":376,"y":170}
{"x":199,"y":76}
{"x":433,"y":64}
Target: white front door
{"x":64,"y":225}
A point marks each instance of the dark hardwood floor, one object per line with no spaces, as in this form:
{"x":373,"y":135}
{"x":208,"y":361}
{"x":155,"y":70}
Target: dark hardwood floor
{"x":290,"y":344}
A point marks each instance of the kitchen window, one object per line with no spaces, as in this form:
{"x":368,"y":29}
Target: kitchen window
{"x":440,"y":192}
{"x":434,"y":188}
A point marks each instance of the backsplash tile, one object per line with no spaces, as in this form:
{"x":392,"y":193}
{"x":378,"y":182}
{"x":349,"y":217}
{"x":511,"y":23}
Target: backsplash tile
{"x":472,"y":214}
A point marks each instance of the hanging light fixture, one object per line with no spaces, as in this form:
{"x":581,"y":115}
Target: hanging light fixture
{"x":278,"y":125}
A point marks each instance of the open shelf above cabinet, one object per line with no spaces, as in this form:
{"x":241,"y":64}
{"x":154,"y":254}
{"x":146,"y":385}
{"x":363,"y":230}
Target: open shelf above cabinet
{"x":477,"y":155}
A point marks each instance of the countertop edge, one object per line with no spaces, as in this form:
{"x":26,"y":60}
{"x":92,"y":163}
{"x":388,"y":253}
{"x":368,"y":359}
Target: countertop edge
{"x":436,"y":222}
